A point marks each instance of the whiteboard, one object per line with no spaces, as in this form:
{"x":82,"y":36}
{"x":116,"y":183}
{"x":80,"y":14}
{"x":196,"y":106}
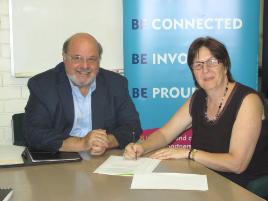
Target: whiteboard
{"x":38,"y":29}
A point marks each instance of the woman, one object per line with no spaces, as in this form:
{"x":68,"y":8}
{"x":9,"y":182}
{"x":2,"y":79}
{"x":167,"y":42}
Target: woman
{"x":227,"y":119}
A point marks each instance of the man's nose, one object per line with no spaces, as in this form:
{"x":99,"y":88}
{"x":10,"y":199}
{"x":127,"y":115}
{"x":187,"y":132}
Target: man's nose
{"x":84,"y":63}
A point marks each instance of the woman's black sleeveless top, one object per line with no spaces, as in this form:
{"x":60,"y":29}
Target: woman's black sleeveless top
{"x":215,"y":136}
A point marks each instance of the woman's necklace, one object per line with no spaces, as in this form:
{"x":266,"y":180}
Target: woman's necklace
{"x":212,"y":120}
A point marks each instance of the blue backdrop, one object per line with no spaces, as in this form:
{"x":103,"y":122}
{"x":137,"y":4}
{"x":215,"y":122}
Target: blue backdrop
{"x":157,"y":34}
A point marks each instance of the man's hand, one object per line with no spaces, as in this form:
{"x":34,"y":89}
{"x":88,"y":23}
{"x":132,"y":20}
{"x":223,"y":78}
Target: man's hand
{"x":102,"y":141}
{"x":96,"y":141}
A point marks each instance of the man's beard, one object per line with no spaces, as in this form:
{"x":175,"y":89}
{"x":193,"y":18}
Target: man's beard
{"x":78,"y":83}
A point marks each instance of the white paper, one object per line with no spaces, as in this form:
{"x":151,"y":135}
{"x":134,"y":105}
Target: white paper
{"x":118,"y":165}
{"x":11,"y":154}
{"x":173,"y":181}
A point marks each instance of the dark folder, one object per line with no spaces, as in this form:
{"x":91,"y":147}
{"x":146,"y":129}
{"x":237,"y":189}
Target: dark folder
{"x":5,"y":194}
{"x":34,"y":157}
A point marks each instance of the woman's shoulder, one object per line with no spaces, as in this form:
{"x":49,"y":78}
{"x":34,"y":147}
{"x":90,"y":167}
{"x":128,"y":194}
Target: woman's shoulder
{"x":244,"y":88}
{"x":242,"y":91}
{"x":249,"y":97}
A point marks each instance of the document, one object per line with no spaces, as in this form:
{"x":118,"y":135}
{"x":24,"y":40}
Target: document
{"x":118,"y":165}
{"x":11,"y":154}
{"x":173,"y":181}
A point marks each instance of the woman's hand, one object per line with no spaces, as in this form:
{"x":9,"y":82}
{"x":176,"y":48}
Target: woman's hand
{"x":132,"y":151}
{"x":170,"y":153}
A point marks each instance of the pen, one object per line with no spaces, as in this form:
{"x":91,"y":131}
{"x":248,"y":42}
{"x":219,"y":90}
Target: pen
{"x":133,"y":141}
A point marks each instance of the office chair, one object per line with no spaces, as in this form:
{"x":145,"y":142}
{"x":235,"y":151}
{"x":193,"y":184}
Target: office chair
{"x":17,"y":122}
{"x":259,"y":187}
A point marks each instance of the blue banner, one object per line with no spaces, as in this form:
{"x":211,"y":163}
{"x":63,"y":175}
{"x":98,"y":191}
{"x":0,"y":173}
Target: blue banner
{"x":157,"y":35}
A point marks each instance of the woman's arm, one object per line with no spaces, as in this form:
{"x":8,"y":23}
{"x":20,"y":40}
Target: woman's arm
{"x":163,"y":136}
{"x":176,"y":125}
{"x":245,"y":134}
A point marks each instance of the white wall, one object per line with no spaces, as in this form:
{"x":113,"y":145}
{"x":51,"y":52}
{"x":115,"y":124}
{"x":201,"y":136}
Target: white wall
{"x":47,"y":24}
{"x":13,"y":91}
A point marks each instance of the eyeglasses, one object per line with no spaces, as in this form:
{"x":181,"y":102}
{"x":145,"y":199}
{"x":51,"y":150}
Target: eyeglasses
{"x":212,"y":62}
{"x":77,"y":59}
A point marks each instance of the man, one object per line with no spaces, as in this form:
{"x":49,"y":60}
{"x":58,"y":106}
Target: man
{"x":78,"y":106}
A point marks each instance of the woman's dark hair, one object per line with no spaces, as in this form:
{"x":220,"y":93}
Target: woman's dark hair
{"x":217,"y":49}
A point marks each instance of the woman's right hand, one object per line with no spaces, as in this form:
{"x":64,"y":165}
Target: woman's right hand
{"x":133,"y":151}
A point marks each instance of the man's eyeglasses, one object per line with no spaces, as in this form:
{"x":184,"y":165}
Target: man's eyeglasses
{"x":212,"y":62}
{"x":77,"y":59}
